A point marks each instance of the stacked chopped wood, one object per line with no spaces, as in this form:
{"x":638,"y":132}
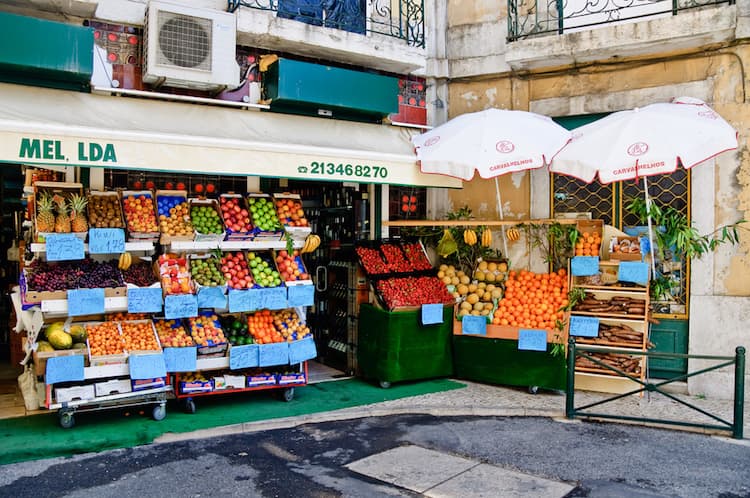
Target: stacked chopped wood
{"x":622,"y":305}
{"x":624,"y":362}
{"x":620,"y":334}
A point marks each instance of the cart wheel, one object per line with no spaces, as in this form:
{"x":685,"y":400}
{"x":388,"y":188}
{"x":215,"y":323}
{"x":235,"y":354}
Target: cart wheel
{"x":384,"y":384}
{"x":66,"y":419}
{"x":189,"y":406}
{"x":288,"y":394}
{"x":159,"y":412}
{"x":533,"y":389}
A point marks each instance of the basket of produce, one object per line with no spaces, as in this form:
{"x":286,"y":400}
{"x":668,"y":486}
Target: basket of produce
{"x":105,"y":210}
{"x":140,"y":215}
{"x":291,"y":215}
{"x":173,"y":212}
{"x":206,"y":331}
{"x":236,"y":217}
{"x":207,"y":222}
{"x":173,"y":334}
{"x":264,"y":218}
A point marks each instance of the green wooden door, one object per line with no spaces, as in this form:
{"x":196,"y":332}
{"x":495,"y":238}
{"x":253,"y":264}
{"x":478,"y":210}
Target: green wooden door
{"x":668,"y":336}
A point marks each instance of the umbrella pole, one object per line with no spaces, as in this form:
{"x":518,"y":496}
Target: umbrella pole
{"x":650,"y":229}
{"x":500,"y":214}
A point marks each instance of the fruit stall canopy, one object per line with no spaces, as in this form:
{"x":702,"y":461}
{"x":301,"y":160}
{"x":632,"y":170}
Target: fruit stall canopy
{"x":56,"y":127}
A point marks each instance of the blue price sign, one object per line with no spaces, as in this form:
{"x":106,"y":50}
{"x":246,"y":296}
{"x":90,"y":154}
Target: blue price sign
{"x":145,"y":300}
{"x":246,"y":356}
{"x":147,"y":366}
{"x":212,"y":297}
{"x":473,"y":325}
{"x":532,"y":340}
{"x":302,"y":350}
{"x":272,"y":298}
{"x":181,"y":359}
{"x":85,"y":302}
{"x":301,"y":295}
{"x":64,"y":247}
{"x":240,"y":300}
{"x":180,"y":306}
{"x":584,"y":266}
{"x":432,"y":314}
{"x":273,"y":354}
{"x":633,"y":271}
{"x":64,"y":369}
{"x":584,"y":326}
{"x":106,"y":240}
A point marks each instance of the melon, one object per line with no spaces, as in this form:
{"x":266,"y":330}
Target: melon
{"x":79,"y":345}
{"x":60,"y":339}
{"x":78,"y":333}
{"x":44,"y":347}
{"x":54,"y":327}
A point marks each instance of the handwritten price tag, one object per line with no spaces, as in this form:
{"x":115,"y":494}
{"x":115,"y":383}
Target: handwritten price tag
{"x":474,"y":325}
{"x":584,"y":326}
{"x":212,"y":297}
{"x":145,"y":300}
{"x":64,"y":247}
{"x":633,"y":271}
{"x":106,"y":240}
{"x":584,"y":266}
{"x":302,"y":350}
{"x":147,"y":366}
{"x":180,"y":306}
{"x":240,"y":300}
{"x":181,"y":359}
{"x":432,"y":314}
{"x":244,"y":356}
{"x":301,"y":295}
{"x":64,"y":369}
{"x":532,"y":340}
{"x":85,"y":302}
{"x":273,"y":298}
{"x":273,"y":354}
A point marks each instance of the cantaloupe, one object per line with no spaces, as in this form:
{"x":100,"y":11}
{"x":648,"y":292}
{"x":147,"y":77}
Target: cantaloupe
{"x":60,"y":339}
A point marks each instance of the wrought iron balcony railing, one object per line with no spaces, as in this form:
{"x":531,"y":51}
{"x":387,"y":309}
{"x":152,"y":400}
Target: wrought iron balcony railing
{"x":528,"y":18}
{"x":402,"y":19}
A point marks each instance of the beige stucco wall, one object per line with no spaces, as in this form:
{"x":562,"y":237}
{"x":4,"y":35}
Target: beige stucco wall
{"x":720,"y":283}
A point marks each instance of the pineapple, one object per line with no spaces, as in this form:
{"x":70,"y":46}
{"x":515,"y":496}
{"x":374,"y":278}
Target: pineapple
{"x":78,"y":205}
{"x":45,"y":218}
{"x":62,"y":220}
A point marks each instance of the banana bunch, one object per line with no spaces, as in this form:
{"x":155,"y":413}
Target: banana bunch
{"x":513,"y":234}
{"x":311,"y":243}
{"x":470,"y":237}
{"x":487,"y":237}
{"x":125,"y":261}
{"x":447,"y":244}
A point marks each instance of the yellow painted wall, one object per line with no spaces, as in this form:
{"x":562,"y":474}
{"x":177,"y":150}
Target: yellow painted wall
{"x":730,"y":86}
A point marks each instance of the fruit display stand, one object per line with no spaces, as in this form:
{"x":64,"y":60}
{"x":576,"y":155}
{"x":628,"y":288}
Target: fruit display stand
{"x":394,"y":346}
{"x":493,"y":355}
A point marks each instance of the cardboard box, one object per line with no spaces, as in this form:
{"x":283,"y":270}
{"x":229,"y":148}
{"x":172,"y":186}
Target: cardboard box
{"x":108,"y":359}
{"x":261,"y":380}
{"x":625,"y":249}
{"x":161,"y":195}
{"x":124,"y":325}
{"x":196,"y":386}
{"x":285,"y":379}
{"x":227,"y":381}
{"x":39,"y":296}
{"x":75,"y":393}
{"x":259,"y":234}
{"x":230,"y":234}
{"x":294,"y":215}
{"x":143,"y":384}
{"x":590,"y":237}
{"x":214,"y":205}
{"x":114,"y":386}
{"x":40,"y":358}
{"x":119,"y":220}
{"x":135,"y":235}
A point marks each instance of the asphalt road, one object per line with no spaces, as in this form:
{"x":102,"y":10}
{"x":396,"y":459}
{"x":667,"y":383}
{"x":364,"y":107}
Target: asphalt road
{"x":600,"y":460}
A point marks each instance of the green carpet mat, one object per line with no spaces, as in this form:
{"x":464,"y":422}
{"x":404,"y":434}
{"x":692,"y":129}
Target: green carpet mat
{"x":40,"y":436}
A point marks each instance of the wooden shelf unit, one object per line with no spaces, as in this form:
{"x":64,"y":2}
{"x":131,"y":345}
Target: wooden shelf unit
{"x":630,"y":328}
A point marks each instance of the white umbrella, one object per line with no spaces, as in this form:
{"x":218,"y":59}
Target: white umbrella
{"x":643,"y":142}
{"x":492,"y":142}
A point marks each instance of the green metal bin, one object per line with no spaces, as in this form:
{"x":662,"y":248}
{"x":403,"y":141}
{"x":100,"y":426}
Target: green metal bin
{"x":395,"y":346}
{"x":499,"y":361}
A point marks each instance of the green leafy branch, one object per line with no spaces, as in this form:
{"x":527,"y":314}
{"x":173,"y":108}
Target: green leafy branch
{"x":555,"y":241}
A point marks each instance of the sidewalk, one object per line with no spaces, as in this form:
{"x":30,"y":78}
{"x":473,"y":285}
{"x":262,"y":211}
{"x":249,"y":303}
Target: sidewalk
{"x":501,"y":401}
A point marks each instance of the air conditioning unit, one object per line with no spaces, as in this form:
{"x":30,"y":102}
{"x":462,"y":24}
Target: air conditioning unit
{"x":193,"y":48}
